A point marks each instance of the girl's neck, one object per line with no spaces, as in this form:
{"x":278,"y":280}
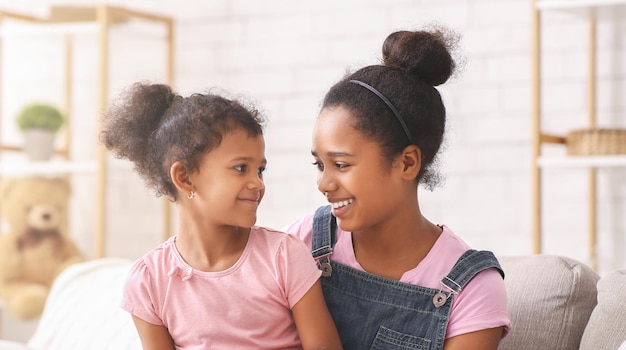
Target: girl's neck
{"x":213,"y":248}
{"x":396,"y":246}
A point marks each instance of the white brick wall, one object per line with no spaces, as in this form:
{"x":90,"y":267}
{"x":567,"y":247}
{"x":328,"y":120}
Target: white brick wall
{"x":286,"y":54}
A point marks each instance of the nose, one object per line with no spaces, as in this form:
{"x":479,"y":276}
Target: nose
{"x":259,"y":186}
{"x":325,"y":182}
{"x":256,"y":183}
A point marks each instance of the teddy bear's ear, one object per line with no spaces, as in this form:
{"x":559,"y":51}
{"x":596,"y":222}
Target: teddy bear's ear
{"x":6,"y":184}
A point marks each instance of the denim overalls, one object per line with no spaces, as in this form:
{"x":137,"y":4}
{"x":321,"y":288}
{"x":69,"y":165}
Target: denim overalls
{"x":373,"y":312}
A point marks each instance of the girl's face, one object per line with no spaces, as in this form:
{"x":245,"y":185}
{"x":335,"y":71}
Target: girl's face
{"x":352,"y":173}
{"x":229,"y":183}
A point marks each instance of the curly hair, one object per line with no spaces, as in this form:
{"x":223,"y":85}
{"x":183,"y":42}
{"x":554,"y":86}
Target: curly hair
{"x":153,"y":127}
{"x":413,"y":64}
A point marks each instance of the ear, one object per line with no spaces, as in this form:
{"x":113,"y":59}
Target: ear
{"x":410,"y":162}
{"x":180,"y":176}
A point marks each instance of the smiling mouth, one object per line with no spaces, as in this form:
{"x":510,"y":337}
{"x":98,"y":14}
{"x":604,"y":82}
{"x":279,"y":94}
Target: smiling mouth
{"x":256,"y":199}
{"x":341,"y":204}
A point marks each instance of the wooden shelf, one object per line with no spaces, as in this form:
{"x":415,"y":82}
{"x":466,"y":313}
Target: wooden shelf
{"x":45,"y":168}
{"x":576,"y":4}
{"x":585,"y":9}
{"x":587,"y":12}
{"x":98,"y":20}
{"x":49,"y":29}
{"x":582,"y":162}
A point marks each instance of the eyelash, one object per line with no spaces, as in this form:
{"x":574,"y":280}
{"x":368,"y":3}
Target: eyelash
{"x":242,"y":168}
{"x":320,"y":166}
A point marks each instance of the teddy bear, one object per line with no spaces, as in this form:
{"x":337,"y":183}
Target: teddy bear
{"x":35,"y":248}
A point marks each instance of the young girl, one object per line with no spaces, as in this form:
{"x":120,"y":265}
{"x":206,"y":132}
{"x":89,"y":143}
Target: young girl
{"x":220,"y":283}
{"x":412,"y":284}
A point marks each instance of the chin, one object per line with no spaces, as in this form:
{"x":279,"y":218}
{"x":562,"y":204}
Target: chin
{"x":346,"y":225}
{"x":248,"y":223}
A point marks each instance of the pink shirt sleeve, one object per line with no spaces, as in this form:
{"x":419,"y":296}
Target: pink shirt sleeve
{"x":481,"y":305}
{"x":298,"y":269}
{"x":137,"y":296}
{"x":302,"y":228}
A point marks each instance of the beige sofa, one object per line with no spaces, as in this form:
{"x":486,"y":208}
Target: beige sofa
{"x":560,"y":303}
{"x":552,"y":302}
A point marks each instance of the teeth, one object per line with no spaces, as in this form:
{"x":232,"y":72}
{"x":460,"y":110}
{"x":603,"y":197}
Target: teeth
{"x":342,"y":203}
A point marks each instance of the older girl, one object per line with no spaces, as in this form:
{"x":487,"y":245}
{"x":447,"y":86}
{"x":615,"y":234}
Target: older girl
{"x":392,"y":279}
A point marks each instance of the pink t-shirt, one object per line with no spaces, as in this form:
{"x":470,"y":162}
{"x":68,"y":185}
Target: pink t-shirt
{"x":482,"y":303}
{"x":247,"y":306}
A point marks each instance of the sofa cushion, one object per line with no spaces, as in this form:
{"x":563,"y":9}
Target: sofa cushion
{"x":550,"y":299}
{"x":607,"y":325}
{"x":83,"y":309}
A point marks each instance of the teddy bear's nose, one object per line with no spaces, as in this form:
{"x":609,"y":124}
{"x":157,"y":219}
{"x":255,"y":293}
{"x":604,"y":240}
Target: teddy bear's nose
{"x":46,"y":216}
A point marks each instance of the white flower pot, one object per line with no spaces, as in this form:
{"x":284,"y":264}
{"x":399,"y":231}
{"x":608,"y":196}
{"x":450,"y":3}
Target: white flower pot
{"x":39,"y":144}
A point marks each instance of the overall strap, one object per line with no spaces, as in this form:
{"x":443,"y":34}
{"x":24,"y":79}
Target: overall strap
{"x":324,"y":232}
{"x":323,"y":239}
{"x":469,"y":264}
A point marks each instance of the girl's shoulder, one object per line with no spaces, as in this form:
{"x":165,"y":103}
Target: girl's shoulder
{"x":165,"y":248}
{"x":301,"y":227}
{"x":439,"y":261}
{"x":275,"y":238}
{"x":157,"y":261}
{"x":260,"y":234}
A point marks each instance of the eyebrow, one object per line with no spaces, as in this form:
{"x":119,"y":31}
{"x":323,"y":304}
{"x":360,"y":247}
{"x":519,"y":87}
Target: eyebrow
{"x":334,"y":154}
{"x":247,"y":159}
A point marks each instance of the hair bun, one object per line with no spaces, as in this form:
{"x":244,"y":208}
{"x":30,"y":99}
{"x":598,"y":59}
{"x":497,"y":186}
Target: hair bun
{"x":425,"y":54}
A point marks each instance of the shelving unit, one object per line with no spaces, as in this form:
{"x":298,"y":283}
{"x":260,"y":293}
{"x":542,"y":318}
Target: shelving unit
{"x":68,"y":21}
{"x":587,"y":10}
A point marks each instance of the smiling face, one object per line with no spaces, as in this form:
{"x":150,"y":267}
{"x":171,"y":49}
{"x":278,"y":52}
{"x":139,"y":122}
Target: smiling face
{"x":358,"y":182}
{"x":229,"y":183}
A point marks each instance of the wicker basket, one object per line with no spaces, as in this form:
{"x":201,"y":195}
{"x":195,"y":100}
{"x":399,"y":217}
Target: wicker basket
{"x":587,"y":142}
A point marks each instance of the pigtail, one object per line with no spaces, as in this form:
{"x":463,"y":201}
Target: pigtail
{"x":133,"y":118}
{"x":130,"y":123}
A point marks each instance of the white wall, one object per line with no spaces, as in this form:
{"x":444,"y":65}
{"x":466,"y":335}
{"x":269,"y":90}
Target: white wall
{"x":286,"y":54}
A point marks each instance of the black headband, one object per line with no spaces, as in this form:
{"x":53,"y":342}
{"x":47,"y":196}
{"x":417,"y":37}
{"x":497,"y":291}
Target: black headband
{"x":388,"y":103}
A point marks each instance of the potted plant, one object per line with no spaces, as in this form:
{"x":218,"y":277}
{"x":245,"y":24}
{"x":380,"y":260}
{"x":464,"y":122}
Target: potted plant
{"x":39,"y":122}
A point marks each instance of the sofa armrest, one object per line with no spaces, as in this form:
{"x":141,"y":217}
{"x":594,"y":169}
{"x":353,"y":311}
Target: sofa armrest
{"x":83,"y":309}
{"x":550,"y":299}
{"x":606,"y":328}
